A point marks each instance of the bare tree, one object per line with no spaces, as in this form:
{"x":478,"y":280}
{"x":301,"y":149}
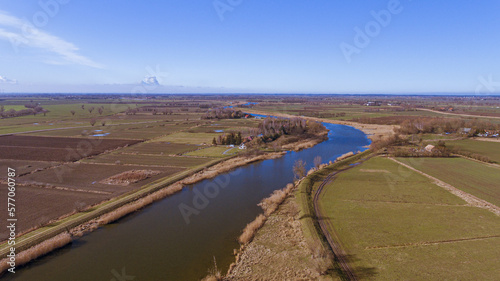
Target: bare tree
{"x":91,"y":109}
{"x":83,"y":106}
{"x":93,"y":121}
{"x":103,"y":122}
{"x":100,"y":110}
{"x":317,"y":161}
{"x":299,"y":169}
{"x":73,"y":112}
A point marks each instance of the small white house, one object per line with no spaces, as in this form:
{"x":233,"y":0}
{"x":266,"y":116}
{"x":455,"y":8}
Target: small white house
{"x":429,"y":148}
{"x":231,"y":145}
{"x":242,"y":146}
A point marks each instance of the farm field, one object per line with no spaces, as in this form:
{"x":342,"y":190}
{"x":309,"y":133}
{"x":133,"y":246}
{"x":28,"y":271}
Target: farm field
{"x":24,"y":166}
{"x":395,"y":224}
{"x":43,"y":200}
{"x":159,"y":148}
{"x":149,"y":160}
{"x":214,"y":151}
{"x":87,"y":177}
{"x":20,"y":147}
{"x":472,"y":177}
{"x":189,"y":138}
{"x":489,"y":149}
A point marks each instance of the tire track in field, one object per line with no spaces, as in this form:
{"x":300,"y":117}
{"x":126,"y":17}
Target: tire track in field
{"x":469,"y":198}
{"x":427,"y":243}
{"x":331,"y":237}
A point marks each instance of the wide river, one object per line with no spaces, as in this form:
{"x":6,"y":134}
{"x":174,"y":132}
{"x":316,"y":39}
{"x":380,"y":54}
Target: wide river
{"x":179,"y":237}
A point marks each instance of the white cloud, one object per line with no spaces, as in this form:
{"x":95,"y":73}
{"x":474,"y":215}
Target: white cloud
{"x":20,"y":32}
{"x":150,"y":81}
{"x":7,"y":80}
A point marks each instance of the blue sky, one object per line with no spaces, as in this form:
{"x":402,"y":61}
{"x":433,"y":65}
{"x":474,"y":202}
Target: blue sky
{"x":283,"y":46}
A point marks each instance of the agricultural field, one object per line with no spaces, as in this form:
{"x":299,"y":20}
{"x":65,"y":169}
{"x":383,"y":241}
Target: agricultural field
{"x":189,"y":138}
{"x":43,"y":201}
{"x":88,"y":177}
{"x":472,"y":177}
{"x":214,"y":151}
{"x":159,"y":148}
{"x":18,"y":147}
{"x":485,"y":148}
{"x":395,"y":224}
{"x":24,"y":166}
{"x":149,"y":160}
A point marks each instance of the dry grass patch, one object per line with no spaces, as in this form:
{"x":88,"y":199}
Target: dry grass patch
{"x":129,"y":177}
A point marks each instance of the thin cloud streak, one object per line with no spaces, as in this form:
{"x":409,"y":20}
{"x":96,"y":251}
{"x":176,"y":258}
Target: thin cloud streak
{"x":20,"y":32}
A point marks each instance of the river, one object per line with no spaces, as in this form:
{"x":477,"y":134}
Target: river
{"x":161,"y":242}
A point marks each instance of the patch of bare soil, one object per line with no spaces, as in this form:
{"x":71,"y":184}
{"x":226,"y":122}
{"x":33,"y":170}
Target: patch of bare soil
{"x":279,"y":251}
{"x":129,"y":177}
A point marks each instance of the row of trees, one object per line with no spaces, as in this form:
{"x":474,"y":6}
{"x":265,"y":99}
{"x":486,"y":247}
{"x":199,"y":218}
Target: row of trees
{"x":223,"y":113}
{"x":100,"y":110}
{"x":445,"y":125}
{"x":29,"y":110}
{"x":273,"y":128}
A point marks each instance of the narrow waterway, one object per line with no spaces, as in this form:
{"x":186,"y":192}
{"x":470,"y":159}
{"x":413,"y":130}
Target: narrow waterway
{"x":178,"y":237}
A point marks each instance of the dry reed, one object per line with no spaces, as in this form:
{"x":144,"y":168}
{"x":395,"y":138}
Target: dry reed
{"x":38,"y":250}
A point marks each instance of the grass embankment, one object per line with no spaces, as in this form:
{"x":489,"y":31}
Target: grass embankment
{"x":396,"y":224}
{"x":304,"y":198}
{"x":472,"y":177}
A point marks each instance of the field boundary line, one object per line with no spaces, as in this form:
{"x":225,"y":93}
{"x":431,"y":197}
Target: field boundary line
{"x":458,"y":114}
{"x":467,"y":197}
{"x":432,"y":243}
{"x":493,"y":165}
{"x":401,"y":202}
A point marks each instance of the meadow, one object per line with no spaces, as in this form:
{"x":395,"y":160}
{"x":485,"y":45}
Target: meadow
{"x":470,"y":176}
{"x":485,"y":148}
{"x":395,"y":224}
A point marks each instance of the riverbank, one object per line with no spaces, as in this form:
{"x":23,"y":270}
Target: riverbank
{"x":289,"y":238}
{"x":280,"y":242}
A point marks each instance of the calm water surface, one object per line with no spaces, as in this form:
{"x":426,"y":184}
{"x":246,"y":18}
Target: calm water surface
{"x":159,"y":243}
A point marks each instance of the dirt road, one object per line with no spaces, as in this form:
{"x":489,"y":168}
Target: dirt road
{"x":458,"y":114}
{"x":331,"y":237}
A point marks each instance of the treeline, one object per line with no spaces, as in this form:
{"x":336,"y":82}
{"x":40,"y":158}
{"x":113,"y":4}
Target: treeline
{"x":232,"y":138}
{"x":31,"y":109}
{"x":223,"y":113}
{"x":445,"y":125}
{"x":273,"y":128}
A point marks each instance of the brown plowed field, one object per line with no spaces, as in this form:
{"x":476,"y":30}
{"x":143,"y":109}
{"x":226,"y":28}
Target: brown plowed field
{"x":86,"y":177}
{"x":35,"y":206}
{"x":59,"y":149}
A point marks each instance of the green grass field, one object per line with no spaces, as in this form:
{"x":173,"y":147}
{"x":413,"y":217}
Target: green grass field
{"x":486,"y":148}
{"x":214,"y":151}
{"x":189,"y":138}
{"x":149,"y":160}
{"x":159,"y":148}
{"x":395,"y":224}
{"x":472,"y":177}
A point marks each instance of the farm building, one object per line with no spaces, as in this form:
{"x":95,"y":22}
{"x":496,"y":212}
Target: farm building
{"x":429,"y":148}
